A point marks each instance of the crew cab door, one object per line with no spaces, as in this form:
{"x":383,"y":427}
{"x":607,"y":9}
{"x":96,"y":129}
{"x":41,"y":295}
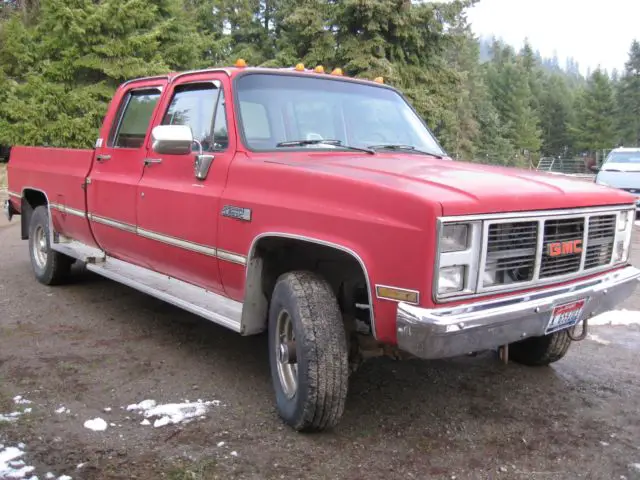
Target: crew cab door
{"x":177,"y":212}
{"x":117,"y":168}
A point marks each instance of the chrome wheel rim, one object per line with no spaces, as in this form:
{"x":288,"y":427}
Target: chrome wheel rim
{"x":39,"y":248}
{"x":285,"y":352}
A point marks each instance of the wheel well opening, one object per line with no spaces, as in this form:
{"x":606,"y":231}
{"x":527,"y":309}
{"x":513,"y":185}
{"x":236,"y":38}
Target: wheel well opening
{"x":31,"y":199}
{"x":274,"y":256}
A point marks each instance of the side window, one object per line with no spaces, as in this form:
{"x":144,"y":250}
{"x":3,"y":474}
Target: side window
{"x":134,"y":117}
{"x":194,"y":105}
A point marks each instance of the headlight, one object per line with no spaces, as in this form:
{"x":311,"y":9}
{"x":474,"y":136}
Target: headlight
{"x":622,"y":243}
{"x":455,"y":238}
{"x":623,"y":220}
{"x":451,"y":279}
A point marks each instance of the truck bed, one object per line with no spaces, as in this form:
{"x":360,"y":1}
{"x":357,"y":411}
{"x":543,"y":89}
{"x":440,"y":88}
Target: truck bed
{"x":59,"y":174}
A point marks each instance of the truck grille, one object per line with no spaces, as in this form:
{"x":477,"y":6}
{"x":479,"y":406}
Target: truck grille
{"x":515,"y":253}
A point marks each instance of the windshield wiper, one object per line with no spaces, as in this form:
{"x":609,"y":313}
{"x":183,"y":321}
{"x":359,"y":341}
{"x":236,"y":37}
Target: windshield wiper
{"x":337,"y":143}
{"x":409,"y":148}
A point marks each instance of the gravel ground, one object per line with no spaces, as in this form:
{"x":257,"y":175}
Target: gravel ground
{"x":95,"y":344}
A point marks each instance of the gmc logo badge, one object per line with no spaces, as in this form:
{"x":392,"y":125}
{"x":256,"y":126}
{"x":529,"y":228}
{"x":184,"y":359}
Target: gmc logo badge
{"x":565,"y":248}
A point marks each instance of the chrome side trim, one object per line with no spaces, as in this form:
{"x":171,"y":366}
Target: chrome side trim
{"x":342,"y":248}
{"x":112,"y":223}
{"x":177,"y":242}
{"x":232,"y":257}
{"x":68,"y":210}
{"x":173,"y":241}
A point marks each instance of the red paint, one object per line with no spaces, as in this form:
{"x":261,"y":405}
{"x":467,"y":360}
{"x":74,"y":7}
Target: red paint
{"x":382,"y":207}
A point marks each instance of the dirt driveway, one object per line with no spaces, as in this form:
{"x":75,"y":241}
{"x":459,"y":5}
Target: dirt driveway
{"x":74,"y":351}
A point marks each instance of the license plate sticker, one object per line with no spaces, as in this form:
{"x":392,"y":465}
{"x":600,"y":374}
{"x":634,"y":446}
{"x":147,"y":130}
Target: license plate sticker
{"x":565,"y":316}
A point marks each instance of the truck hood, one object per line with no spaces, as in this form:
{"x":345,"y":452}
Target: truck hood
{"x":465,"y":188}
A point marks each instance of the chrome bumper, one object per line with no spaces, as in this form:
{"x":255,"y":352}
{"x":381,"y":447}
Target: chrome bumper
{"x":449,"y":332}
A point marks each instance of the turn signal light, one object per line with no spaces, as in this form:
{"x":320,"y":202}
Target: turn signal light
{"x":240,"y":63}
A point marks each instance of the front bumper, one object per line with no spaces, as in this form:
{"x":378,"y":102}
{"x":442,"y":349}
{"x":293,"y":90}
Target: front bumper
{"x":452,"y":331}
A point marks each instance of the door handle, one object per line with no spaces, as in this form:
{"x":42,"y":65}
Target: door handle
{"x":103,"y":158}
{"x":151,"y":161}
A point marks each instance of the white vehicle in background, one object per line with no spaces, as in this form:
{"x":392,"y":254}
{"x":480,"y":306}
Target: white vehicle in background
{"x":621,"y":169}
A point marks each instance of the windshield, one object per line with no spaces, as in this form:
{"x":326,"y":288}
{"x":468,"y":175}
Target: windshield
{"x":289,"y":108}
{"x":624,"y":157}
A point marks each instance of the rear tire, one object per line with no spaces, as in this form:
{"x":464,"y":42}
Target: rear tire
{"x":541,"y":351}
{"x":50,"y":267}
{"x":310,"y":373}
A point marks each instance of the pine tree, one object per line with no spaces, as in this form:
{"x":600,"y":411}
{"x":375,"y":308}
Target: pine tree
{"x":595,"y":127}
{"x":629,"y":99}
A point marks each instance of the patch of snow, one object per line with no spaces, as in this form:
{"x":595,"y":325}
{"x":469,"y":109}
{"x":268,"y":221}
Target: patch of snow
{"x":161,"y":422}
{"x":107,"y":409}
{"x":49,"y":475}
{"x":635,"y":466}
{"x":64,"y":477}
{"x":20,"y":400}
{"x":11,"y":466}
{"x":143,"y":405}
{"x":10,"y":417}
{"x":145,"y":422}
{"x":63,"y":409}
{"x":604,"y":444}
{"x":221,"y":444}
{"x":616,"y":317}
{"x":171,"y":413}
{"x":234,"y":454}
{"x":97,"y":425}
{"x":597,"y":339}
{"x":80,"y":465}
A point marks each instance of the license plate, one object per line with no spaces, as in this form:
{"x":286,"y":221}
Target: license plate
{"x":565,"y":316}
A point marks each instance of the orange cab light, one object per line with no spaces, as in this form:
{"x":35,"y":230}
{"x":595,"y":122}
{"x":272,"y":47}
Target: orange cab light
{"x":319,"y":69}
{"x":378,"y":80}
{"x":336,"y":71}
{"x":240,"y":63}
{"x":300,"y":67}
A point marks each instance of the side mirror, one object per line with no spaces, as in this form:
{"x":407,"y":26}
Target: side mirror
{"x":172,"y":139}
{"x":594,"y":168}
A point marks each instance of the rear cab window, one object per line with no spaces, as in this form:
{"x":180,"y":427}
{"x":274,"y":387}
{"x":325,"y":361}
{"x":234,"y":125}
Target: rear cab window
{"x":133,"y":118}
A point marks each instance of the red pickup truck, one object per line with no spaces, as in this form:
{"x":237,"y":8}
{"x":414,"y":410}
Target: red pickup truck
{"x":322,"y":210}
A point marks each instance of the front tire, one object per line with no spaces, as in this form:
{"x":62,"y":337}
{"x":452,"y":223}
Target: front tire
{"x":50,"y":267}
{"x":541,"y":351}
{"x":308,"y":352}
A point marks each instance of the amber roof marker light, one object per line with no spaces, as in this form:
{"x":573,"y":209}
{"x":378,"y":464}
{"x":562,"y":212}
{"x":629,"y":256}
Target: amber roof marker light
{"x":240,"y":63}
{"x":337,"y":71}
{"x":299,"y":67}
{"x":319,"y":69}
{"x":379,"y":80}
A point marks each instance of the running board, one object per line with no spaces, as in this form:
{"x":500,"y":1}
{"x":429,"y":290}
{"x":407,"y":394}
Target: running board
{"x":197,"y":300}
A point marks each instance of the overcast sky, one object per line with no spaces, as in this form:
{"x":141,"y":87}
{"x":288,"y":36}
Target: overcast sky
{"x":594,"y":32}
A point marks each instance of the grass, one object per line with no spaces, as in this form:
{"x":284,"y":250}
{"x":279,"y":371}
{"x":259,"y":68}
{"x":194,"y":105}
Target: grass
{"x":205,"y":470}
